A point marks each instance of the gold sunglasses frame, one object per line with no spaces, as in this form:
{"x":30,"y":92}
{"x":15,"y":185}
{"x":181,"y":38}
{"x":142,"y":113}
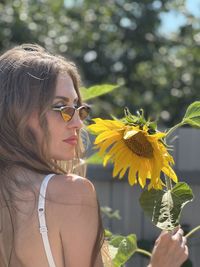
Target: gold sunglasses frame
{"x":60,"y":109}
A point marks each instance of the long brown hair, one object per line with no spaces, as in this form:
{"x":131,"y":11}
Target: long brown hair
{"x":28,"y":76}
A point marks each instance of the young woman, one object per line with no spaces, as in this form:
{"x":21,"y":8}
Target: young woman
{"x":50,"y":217}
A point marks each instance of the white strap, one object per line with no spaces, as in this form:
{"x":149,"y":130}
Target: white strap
{"x":42,"y":221}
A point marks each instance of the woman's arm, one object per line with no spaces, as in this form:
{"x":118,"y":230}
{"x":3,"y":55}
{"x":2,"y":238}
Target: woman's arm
{"x":169,"y":250}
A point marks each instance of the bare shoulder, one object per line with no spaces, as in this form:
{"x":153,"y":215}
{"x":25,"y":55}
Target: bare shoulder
{"x":71,"y":189}
{"x":72,"y":203}
{"x":74,"y":212}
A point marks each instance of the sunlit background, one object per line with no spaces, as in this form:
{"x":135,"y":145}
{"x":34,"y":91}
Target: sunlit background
{"x":150,"y":48}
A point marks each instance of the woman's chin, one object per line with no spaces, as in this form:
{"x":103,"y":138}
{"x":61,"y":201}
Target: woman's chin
{"x":64,"y":157}
{"x":64,"y":154}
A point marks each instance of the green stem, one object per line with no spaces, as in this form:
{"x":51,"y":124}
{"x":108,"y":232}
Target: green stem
{"x":145,"y":252}
{"x":171,"y":130}
{"x":193,"y":231}
{"x":167,"y":179}
{"x":168,"y":182}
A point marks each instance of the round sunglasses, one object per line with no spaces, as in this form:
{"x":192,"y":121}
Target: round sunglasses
{"x":67,"y":112}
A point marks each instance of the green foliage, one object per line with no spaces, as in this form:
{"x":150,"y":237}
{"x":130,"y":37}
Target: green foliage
{"x":192,"y":115}
{"x":164,"y":207}
{"x":107,"y":211}
{"x":119,"y":43}
{"x":139,"y":120}
{"x":97,"y":90}
{"x":107,"y":233}
{"x":122,"y":248}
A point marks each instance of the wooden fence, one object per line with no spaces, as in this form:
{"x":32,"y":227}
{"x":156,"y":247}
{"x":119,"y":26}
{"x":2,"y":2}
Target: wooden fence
{"x":118,"y":195}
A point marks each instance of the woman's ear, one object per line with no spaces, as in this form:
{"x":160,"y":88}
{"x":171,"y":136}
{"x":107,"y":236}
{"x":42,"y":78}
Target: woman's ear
{"x":33,"y":120}
{"x":33,"y":123}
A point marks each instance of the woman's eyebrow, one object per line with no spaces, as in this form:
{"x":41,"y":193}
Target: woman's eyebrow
{"x":66,"y":98}
{"x":62,"y":97}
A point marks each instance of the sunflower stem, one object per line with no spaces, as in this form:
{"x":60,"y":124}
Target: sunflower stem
{"x":193,"y":231}
{"x":167,"y":179}
{"x":171,"y":130}
{"x":168,"y":183}
{"x":144,"y":252}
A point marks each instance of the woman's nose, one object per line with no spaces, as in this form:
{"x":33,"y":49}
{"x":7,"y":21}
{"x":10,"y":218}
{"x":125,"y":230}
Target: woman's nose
{"x":75,"y":122}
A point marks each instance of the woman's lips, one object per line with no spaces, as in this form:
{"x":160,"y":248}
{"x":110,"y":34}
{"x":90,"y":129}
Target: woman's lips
{"x":72,"y":140}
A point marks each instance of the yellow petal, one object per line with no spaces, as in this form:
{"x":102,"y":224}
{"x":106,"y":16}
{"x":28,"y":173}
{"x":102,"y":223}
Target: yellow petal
{"x":170,"y":173}
{"x":119,"y":161}
{"x":156,"y":136}
{"x":106,"y":159}
{"x":106,"y":135}
{"x":123,"y":171}
{"x":132,"y":176}
{"x":104,"y":125}
{"x":111,"y":153}
{"x":128,"y":134}
{"x":108,"y":124}
{"x":142,"y":177}
{"x":116,"y":148}
{"x":127,"y":162}
{"x":106,"y":144}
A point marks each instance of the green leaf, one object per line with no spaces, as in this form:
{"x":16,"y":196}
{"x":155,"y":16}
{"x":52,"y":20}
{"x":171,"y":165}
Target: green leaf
{"x":164,"y":207}
{"x":97,"y":90}
{"x":110,"y":213}
{"x":94,"y":159}
{"x":192,"y":115}
{"x":107,"y":233}
{"x":116,"y":240}
{"x":153,"y":126}
{"x":112,"y":252}
{"x":127,"y":246}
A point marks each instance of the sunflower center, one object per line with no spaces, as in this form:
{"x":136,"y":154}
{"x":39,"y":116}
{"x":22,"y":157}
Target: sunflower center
{"x":140,"y":145}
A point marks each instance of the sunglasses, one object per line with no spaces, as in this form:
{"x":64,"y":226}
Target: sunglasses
{"x":67,"y":112}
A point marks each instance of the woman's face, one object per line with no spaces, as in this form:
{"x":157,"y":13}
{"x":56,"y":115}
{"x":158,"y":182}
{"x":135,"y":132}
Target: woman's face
{"x":63,"y":137}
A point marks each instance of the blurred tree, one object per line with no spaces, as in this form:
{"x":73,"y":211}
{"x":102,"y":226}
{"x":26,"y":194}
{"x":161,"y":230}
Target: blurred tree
{"x":115,"y":41}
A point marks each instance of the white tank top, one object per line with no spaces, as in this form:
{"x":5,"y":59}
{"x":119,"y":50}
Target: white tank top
{"x":42,"y":220}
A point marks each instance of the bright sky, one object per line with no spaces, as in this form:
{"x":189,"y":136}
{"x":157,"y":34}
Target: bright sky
{"x":172,"y":21}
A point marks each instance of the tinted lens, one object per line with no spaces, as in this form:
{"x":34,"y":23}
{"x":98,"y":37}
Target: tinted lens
{"x":67,"y":113}
{"x":84,"y":112}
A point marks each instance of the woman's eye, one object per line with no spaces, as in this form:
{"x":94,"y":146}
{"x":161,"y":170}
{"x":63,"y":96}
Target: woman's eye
{"x":59,"y":105}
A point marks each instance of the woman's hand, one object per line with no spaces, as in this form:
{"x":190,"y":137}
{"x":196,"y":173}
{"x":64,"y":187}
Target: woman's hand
{"x":170,"y":250}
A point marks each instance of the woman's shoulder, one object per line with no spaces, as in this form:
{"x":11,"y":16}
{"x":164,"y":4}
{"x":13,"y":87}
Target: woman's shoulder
{"x":72,"y":189}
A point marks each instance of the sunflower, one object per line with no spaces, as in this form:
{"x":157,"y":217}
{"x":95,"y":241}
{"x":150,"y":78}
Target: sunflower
{"x":135,"y":149}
